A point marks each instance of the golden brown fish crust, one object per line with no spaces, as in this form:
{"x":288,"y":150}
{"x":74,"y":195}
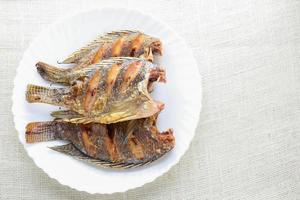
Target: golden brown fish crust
{"x":130,"y":143}
{"x":111,"y":91}
{"x":116,"y":44}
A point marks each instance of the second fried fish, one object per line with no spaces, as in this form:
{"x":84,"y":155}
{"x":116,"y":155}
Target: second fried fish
{"x":113,"y":91}
{"x":116,"y":44}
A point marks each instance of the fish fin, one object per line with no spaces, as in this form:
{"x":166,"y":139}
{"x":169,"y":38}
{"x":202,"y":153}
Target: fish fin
{"x":71,"y":150}
{"x":41,"y":131}
{"x":129,"y":130}
{"x":65,"y":114}
{"x":83,"y":63}
{"x":52,"y":73}
{"x":153,"y":107}
{"x":76,"y":56}
{"x":68,"y":149}
{"x":116,"y":60}
{"x":70,"y":116}
{"x":99,"y":41}
{"x":122,"y":59}
{"x":80,"y":120}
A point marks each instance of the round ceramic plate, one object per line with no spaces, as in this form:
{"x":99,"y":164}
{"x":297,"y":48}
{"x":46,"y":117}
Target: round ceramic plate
{"x":181,"y":95}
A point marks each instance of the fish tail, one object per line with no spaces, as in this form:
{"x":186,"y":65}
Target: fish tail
{"x":52,"y":73}
{"x":41,"y":131}
{"x":40,"y":94}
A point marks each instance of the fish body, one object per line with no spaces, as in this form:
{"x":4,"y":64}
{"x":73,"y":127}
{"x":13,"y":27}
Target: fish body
{"x":60,"y":75}
{"x":120,"y":145}
{"x":116,"y":44}
{"x":112,"y":91}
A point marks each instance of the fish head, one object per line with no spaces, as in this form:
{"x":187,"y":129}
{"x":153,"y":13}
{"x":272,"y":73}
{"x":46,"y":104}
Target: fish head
{"x":166,"y":139}
{"x":157,"y":73}
{"x":152,"y":46}
{"x":156,"y":46}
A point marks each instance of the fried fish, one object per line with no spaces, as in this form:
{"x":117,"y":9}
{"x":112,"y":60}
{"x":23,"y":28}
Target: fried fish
{"x":69,"y":77}
{"x":116,"y":44}
{"x":120,"y":145}
{"x":112,"y":91}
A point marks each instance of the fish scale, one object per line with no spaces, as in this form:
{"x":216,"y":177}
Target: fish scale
{"x":134,"y":43}
{"x":112,"y":151}
{"x":95,"y":86}
{"x":129,"y":98}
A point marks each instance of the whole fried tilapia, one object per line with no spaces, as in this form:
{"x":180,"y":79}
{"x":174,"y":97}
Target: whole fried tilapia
{"x":121,"y":145}
{"x":112,"y":91}
{"x":116,"y":44}
{"x":69,"y":77}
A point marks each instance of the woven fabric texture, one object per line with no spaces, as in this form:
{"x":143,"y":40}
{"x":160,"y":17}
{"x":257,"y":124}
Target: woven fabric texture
{"x":247,"y":144}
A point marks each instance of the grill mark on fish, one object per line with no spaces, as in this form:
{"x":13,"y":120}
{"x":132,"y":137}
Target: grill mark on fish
{"x":110,"y":146}
{"x":99,"y":54}
{"x":119,"y":79}
{"x":112,"y":75}
{"x":130,"y":74}
{"x":136,"y":44}
{"x":106,"y":143}
{"x":117,"y":47}
{"x":90,"y":97}
{"x":89,"y":146}
{"x":126,"y":48}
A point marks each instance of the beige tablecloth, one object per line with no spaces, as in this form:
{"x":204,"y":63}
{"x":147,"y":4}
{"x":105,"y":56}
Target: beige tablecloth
{"x":247,"y":144}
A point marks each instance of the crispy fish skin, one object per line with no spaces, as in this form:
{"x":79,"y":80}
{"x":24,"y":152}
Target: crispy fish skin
{"x":112,"y":91}
{"x":121,"y":145}
{"x":60,"y":75}
{"x":115,"y":44}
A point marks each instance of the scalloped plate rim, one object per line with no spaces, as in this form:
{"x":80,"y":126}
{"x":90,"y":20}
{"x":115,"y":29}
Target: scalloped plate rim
{"x":60,"y":21}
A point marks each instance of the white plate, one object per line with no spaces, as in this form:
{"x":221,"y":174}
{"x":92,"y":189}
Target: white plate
{"x":181,"y":94}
